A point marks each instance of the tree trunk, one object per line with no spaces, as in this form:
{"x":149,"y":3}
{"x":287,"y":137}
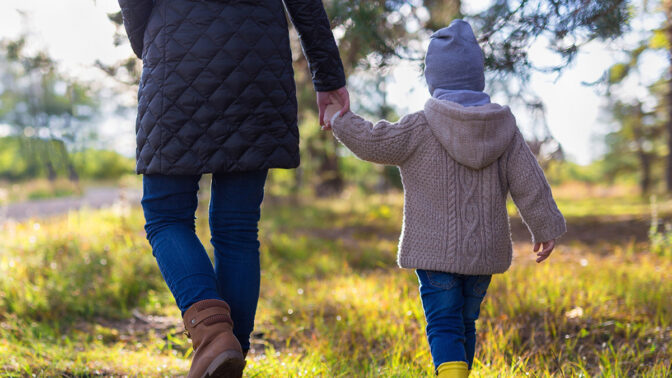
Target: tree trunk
{"x":329,"y":173}
{"x":644,"y":157}
{"x":72,"y":173}
{"x":645,"y":181}
{"x":51,"y":172}
{"x":667,"y":4}
{"x":668,"y":128}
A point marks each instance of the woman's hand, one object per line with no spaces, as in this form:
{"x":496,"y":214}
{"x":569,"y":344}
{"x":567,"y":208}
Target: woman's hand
{"x":341,"y":96}
{"x":333,"y":109}
{"x":548,"y":248}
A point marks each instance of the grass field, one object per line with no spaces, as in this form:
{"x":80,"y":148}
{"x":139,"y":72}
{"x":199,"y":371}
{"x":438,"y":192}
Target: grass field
{"x":80,"y":295}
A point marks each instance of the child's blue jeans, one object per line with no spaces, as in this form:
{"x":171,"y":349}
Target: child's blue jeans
{"x":452,"y":303}
{"x":169,"y":204}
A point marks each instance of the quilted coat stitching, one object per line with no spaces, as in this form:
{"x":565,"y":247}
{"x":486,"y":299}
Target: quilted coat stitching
{"x":217,"y":91}
{"x":163,"y":98}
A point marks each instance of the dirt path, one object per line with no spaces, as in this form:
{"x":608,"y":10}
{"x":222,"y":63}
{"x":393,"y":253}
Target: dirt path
{"x":595,"y":230}
{"x":93,"y":198}
{"x":588,"y":230}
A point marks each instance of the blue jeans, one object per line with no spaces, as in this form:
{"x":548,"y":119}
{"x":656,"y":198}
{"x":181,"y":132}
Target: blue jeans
{"x":169,"y":204}
{"x":452,"y":303}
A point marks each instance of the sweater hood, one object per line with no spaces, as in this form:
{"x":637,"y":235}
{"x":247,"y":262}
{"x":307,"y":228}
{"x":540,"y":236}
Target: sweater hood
{"x":473,"y":136}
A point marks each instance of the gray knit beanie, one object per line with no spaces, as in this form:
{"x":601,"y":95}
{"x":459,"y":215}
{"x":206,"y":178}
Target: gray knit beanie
{"x":454,"y":59}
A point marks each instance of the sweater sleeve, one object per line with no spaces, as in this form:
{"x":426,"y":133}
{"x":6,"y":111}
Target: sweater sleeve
{"x":311,"y":22}
{"x":135,"y":14}
{"x":383,"y":143}
{"x":532,"y":194}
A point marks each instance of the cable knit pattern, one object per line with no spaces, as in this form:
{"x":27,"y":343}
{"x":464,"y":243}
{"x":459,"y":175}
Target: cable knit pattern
{"x":457,"y":165}
{"x":386,"y":142}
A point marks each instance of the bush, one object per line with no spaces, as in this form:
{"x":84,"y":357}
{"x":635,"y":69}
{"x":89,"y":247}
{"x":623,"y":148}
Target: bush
{"x":31,"y":158}
{"x":101,"y":164}
{"x":661,"y":239}
{"x":87,"y":264}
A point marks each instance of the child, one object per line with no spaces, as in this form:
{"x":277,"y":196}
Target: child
{"x":459,"y":158}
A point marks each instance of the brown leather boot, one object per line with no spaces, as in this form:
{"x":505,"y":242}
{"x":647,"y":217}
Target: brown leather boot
{"x":217,"y":352}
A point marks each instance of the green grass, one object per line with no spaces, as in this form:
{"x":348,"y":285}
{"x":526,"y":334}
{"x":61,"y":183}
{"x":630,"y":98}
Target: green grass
{"x":631,"y":206}
{"x":333,"y":303}
{"x":37,"y":189}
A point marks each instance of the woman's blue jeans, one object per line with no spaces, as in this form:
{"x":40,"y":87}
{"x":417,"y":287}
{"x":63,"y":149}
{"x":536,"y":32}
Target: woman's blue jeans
{"x":169,"y":204}
{"x":452,"y":303}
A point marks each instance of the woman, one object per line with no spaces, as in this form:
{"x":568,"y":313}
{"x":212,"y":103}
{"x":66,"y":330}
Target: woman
{"x":217,"y":95}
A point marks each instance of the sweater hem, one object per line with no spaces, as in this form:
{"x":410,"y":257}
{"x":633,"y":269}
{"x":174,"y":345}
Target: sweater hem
{"x":417,"y":263}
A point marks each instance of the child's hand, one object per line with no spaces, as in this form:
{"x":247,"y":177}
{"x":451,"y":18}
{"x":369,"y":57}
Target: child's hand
{"x":548,"y":248}
{"x":333,"y":108}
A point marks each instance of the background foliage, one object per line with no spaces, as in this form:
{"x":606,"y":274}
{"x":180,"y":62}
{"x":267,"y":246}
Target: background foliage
{"x":80,"y":293}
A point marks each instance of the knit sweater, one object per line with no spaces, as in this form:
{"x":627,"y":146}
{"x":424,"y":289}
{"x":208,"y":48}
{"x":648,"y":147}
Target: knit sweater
{"x":457,"y":166}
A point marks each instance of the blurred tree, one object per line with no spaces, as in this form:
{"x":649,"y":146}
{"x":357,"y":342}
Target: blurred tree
{"x":126,"y":71}
{"x":656,"y":40}
{"x":39,"y":103}
{"x":542,"y":144}
{"x":659,"y":42}
{"x":23,"y":158}
{"x":375,"y":34}
{"x":508,"y":28}
{"x":102,"y":164}
{"x":635,"y":145}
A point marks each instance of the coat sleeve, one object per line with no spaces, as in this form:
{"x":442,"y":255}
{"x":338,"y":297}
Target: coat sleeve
{"x":532,"y":194}
{"x":311,"y":22}
{"x":383,"y":143}
{"x":136,"y":15}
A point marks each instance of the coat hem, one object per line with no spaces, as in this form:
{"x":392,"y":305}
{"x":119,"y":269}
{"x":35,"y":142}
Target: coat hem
{"x":174,"y":172}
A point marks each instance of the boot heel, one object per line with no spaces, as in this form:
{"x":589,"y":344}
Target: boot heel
{"x":229,"y":364}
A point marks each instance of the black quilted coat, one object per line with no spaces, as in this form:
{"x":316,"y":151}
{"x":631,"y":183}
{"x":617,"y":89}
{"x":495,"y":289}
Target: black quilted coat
{"x":217,"y":91}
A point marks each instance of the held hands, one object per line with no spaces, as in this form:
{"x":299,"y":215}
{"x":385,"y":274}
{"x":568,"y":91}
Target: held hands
{"x":333,"y":109}
{"x":548,"y":248}
{"x":339,"y":97}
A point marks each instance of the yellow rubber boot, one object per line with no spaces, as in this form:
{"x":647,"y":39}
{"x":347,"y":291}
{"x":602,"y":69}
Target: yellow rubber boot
{"x":453,"y":369}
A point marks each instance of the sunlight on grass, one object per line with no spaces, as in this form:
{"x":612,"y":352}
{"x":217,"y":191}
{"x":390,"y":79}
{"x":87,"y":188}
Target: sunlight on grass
{"x":81,"y":295}
{"x":37,"y":189}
